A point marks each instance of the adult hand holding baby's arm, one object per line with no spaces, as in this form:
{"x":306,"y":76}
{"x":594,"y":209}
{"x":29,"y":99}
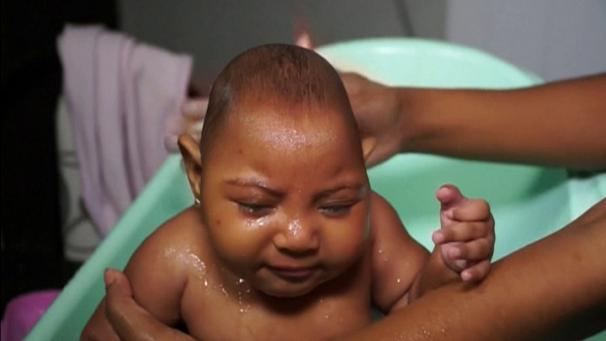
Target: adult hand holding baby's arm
{"x":128,"y":319}
{"x":466,"y":238}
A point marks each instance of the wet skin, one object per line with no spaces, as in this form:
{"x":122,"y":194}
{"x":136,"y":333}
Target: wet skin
{"x":285,"y":200}
{"x":288,"y":234}
{"x":285,"y":204}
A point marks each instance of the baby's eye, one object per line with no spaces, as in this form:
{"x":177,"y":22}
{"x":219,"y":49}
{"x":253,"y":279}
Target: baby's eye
{"x":336,"y":210}
{"x":254,"y":209}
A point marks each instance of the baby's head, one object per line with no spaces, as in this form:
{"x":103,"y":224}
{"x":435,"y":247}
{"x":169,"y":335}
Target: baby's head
{"x":280,"y":171}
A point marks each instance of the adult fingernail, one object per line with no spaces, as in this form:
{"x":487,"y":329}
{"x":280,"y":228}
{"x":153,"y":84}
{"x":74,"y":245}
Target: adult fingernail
{"x":109,"y":277}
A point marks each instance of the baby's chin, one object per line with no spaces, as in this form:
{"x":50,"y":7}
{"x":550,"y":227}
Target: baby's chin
{"x":291,"y":290}
{"x":288,"y":294}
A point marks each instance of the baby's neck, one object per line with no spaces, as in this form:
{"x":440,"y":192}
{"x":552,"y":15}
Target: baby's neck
{"x":238,"y":288}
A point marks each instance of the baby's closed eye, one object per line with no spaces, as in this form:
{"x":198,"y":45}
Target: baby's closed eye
{"x":254,"y":208}
{"x":335,"y":210}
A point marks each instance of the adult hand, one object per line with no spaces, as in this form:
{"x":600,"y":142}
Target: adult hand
{"x":190,"y":122}
{"x":377,"y":111}
{"x":128,"y":319}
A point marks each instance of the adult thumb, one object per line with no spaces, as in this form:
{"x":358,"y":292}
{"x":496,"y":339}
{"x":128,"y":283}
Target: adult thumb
{"x":116,"y":284}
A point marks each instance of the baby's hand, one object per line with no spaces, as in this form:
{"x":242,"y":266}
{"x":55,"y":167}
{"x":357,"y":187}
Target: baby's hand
{"x":466,"y":238}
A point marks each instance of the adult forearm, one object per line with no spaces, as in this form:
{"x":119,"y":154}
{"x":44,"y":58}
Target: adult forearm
{"x":559,"y":124}
{"x":552,"y":289}
{"x":434,"y":274}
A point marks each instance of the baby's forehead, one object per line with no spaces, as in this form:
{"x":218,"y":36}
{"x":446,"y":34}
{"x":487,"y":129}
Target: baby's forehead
{"x":270,"y":114}
{"x":288,"y":124}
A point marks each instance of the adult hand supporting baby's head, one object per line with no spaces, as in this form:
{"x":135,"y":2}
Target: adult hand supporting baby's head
{"x":190,"y":122}
{"x":128,"y":319}
{"x":376,"y":108}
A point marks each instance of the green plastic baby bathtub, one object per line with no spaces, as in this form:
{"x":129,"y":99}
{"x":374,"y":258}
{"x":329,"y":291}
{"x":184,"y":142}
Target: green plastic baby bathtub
{"x":528,"y":202}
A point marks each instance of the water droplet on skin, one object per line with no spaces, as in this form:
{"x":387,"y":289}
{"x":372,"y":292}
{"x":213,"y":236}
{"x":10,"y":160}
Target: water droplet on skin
{"x":398,"y":280}
{"x":243,"y":308}
{"x":294,"y":227}
{"x":241,"y":280}
{"x":326,"y":317}
{"x":257,"y":223}
{"x":189,"y":258}
{"x":380,"y":251}
{"x":197,"y":262}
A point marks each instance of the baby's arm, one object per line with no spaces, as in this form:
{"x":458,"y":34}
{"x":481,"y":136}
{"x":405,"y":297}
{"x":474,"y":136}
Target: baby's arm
{"x":396,"y":257}
{"x":157,"y":281}
{"x":403,"y":269}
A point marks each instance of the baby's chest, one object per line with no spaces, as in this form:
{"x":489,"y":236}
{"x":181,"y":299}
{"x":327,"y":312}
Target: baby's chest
{"x":217,"y":315}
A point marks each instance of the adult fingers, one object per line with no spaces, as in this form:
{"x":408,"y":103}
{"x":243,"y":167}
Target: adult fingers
{"x":195,"y":108}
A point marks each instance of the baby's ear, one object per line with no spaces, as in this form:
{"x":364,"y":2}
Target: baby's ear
{"x":190,"y":151}
{"x":368,"y":145}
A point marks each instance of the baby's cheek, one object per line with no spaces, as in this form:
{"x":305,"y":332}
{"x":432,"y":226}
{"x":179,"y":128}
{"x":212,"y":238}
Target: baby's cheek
{"x":236,"y":241}
{"x":346,"y":242}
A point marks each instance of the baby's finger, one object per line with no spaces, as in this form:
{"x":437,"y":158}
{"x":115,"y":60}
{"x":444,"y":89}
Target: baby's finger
{"x":460,"y":232}
{"x":476,"y":272}
{"x":472,"y":210}
{"x":449,"y":195}
{"x":477,"y":249}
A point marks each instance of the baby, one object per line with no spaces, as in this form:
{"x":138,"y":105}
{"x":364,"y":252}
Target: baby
{"x":286,"y":240}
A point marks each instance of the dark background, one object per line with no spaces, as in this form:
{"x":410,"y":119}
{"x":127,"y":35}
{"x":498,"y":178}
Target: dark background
{"x":31,"y":242}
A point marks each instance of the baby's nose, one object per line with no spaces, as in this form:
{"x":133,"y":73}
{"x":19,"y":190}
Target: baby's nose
{"x":299,"y":237}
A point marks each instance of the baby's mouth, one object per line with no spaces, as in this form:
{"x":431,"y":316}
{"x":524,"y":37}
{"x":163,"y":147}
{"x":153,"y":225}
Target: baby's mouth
{"x":293,"y":273}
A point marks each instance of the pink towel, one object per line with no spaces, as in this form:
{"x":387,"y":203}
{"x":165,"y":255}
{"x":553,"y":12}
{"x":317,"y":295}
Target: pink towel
{"x":120,"y":95}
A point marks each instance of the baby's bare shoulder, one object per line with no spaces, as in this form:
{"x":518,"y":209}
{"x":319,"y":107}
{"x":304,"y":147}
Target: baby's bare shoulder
{"x":159,"y":268}
{"x":182,"y":234}
{"x":184,"y":229}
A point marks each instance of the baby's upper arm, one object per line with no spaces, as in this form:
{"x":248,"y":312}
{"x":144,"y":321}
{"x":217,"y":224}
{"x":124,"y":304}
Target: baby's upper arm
{"x":396,"y":257}
{"x":158,"y":275}
{"x":157,"y":278}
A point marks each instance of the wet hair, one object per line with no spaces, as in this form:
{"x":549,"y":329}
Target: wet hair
{"x":276,"y":74}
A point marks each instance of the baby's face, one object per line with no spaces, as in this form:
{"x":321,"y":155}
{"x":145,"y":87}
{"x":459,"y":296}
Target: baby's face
{"x":286,"y":199}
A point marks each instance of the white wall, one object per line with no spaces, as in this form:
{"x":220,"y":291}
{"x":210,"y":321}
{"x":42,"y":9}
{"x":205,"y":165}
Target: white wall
{"x":554,"y":38}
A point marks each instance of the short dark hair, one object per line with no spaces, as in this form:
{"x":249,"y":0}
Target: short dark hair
{"x":275,"y":73}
